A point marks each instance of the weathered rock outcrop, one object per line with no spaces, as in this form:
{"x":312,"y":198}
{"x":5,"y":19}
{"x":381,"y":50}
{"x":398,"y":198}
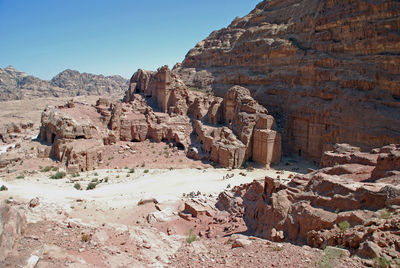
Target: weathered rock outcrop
{"x":227,"y":131}
{"x":15,"y":85}
{"x":75,"y":135}
{"x":12,"y":226}
{"x":9,"y":131}
{"x":327,"y":70}
{"x":136,"y":121}
{"x":327,"y":207}
{"x":138,"y":84}
{"x":167,"y":91}
{"x":249,"y":134}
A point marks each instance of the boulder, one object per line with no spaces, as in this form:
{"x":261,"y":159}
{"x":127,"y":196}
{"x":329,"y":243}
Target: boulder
{"x":12,"y":226}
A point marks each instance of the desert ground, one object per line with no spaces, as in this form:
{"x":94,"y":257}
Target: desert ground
{"x":131,"y":211}
{"x":120,"y":232}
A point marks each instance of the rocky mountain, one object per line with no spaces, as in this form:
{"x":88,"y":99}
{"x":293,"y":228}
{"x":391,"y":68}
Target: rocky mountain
{"x":89,"y":84}
{"x":327,"y":70}
{"x":15,"y":85}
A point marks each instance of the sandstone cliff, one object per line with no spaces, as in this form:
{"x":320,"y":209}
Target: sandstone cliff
{"x":327,"y":70}
{"x":16,"y":85}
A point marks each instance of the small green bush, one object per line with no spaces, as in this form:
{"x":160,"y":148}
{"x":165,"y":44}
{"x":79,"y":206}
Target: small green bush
{"x":3,"y":188}
{"x":132,"y":170}
{"x":146,"y":171}
{"x":381,"y":262}
{"x":77,"y":186}
{"x":58,"y":175}
{"x":244,"y":166}
{"x":95,"y":180}
{"x":343,"y":226}
{"x":46,"y":169}
{"x":75,"y":175}
{"x":277,"y":249}
{"x":55,"y":169}
{"x":91,"y":186}
{"x":96,"y":174}
{"x":385,"y":214}
{"x":21,"y":177}
{"x":191,"y":237}
{"x":106,"y":179}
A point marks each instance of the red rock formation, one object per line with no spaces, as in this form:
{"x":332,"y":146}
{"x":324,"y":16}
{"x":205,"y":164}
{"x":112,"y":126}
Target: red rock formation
{"x":312,"y":208}
{"x":388,"y":164}
{"x":328,"y":70}
{"x":74,"y":135}
{"x":138,"y":84}
{"x":166,"y":90}
{"x":12,"y":226}
{"x":248,"y":135}
{"x":249,"y":125}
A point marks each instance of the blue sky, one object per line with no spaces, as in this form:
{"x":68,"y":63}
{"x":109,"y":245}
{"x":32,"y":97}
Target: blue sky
{"x":44,"y":37}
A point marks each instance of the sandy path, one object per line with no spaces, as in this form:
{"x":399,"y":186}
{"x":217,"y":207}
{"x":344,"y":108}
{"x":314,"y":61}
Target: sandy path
{"x":164,"y":185}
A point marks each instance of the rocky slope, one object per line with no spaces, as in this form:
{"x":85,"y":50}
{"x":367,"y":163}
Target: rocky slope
{"x":16,"y":85}
{"x":327,"y":70}
{"x":353,"y":204}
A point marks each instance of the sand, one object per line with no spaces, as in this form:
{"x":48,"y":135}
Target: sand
{"x":162,"y":184}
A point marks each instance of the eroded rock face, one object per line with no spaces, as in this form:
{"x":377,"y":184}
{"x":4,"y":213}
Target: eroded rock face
{"x":9,"y":132}
{"x":327,"y":70}
{"x":12,"y":226}
{"x":248,"y":134}
{"x":167,"y":90}
{"x":75,"y":135}
{"x":388,"y":164}
{"x":327,"y":207}
{"x":227,"y":131}
{"x":138,"y":84}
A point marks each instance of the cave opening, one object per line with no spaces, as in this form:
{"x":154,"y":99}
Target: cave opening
{"x":180,"y":146}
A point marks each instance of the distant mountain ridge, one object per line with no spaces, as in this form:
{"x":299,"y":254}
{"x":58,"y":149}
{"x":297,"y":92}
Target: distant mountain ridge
{"x":16,"y":85}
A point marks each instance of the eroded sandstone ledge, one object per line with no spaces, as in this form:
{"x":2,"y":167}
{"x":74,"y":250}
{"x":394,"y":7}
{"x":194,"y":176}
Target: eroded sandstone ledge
{"x":353,"y":204}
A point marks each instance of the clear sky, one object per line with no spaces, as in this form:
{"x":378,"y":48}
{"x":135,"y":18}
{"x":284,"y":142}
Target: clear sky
{"x":45,"y":37}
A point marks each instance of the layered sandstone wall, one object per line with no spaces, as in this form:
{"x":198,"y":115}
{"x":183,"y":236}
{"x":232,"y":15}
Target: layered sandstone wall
{"x":327,"y":70}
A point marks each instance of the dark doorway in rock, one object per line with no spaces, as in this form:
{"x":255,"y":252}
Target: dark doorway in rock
{"x":80,"y":137}
{"x":299,"y":152}
{"x":180,"y":146}
{"x":53,"y":137}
